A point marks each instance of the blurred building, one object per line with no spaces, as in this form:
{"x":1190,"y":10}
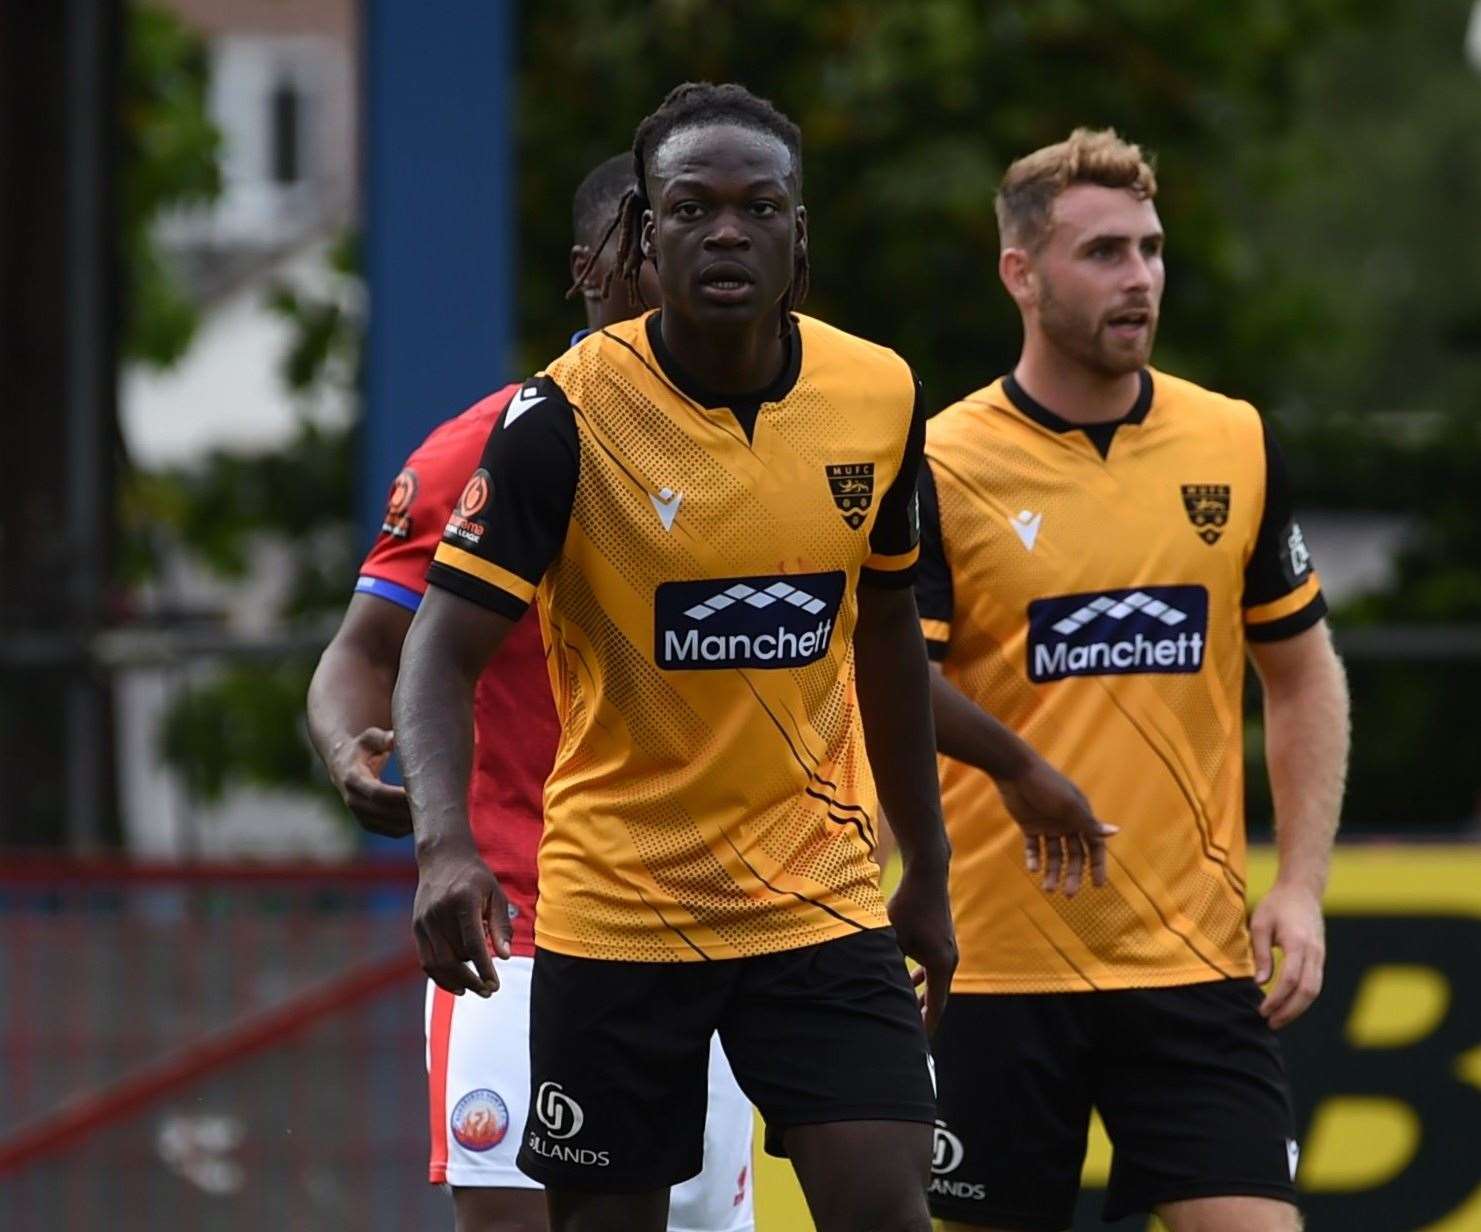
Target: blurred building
{"x":284,"y":94}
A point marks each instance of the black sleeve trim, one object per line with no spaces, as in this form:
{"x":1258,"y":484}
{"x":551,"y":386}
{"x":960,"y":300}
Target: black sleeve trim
{"x":936,"y":651}
{"x":475,"y":591}
{"x":512,"y":519}
{"x":896,"y":527}
{"x":1279,"y":562}
{"x":933,"y":590}
{"x":1288,"y":626}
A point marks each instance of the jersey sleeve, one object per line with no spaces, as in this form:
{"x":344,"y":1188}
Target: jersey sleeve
{"x":894,"y":541}
{"x":934,"y":596}
{"x":422,"y":497}
{"x":511,"y":519}
{"x":1282,"y":593}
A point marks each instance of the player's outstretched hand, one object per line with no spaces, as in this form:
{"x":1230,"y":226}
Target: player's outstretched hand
{"x":355,"y":768}
{"x":460,"y":916}
{"x":1061,"y":833}
{"x":1289,"y":918}
{"x":921,"y":914}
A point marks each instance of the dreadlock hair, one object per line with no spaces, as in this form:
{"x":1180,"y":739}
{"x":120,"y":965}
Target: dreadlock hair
{"x":692,"y":105}
{"x":594,"y":207}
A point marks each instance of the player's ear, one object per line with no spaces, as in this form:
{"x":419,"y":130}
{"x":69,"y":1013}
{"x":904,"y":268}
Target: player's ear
{"x":645,"y":237}
{"x":1016,"y":270}
{"x":580,"y":255}
{"x":802,"y":230}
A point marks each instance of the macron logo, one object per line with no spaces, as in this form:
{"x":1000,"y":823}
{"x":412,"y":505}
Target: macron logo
{"x":666,"y":505}
{"x":1026,"y":526}
{"x":520,"y":403}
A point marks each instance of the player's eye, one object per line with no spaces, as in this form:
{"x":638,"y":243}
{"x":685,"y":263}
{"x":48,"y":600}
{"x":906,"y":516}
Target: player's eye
{"x":764,"y":209}
{"x":687,"y":210}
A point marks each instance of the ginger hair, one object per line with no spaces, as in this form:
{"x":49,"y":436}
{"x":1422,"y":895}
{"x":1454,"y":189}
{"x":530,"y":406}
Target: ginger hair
{"x":1025,"y":200}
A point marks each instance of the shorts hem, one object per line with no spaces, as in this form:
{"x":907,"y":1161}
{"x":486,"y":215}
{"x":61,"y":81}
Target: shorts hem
{"x":916,"y":1114}
{"x":599,"y":1181}
{"x":984,"y":1217}
{"x":482,"y":1178}
{"x":1112,"y":1211}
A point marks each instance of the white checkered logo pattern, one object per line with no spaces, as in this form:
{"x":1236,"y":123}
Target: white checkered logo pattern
{"x":1120,"y":609}
{"x":778,"y":592}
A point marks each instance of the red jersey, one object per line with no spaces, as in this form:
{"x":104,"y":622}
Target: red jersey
{"x":515,"y":728}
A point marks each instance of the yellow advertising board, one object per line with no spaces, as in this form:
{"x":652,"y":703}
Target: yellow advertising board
{"x":1386,"y":1066}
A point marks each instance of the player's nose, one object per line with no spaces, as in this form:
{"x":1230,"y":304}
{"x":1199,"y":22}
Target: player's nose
{"x":728,"y":232}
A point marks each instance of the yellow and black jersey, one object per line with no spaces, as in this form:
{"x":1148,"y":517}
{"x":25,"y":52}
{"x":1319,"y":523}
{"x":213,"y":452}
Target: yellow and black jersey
{"x":1094,"y":588}
{"x":695,"y":558}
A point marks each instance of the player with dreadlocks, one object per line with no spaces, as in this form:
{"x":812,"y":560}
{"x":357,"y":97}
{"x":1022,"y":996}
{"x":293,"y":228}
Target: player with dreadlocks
{"x":714,"y":509}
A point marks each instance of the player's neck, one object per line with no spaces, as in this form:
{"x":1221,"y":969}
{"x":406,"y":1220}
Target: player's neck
{"x":1071,"y":390}
{"x":738,"y":361}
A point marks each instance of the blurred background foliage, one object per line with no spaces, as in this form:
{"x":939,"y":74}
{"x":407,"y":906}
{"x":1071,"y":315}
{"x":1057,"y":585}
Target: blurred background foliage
{"x":1320,"y":171}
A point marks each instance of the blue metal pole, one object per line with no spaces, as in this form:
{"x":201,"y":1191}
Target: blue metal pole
{"x":439,"y":219}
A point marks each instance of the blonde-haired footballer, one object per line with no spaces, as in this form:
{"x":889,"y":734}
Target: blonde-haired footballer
{"x":1102,"y":545}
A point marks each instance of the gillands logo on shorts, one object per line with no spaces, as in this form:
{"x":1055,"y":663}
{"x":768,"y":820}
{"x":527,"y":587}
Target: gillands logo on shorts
{"x":1151,"y":629}
{"x":560,"y":1118}
{"x":774,"y":621}
{"x":480,"y":1120}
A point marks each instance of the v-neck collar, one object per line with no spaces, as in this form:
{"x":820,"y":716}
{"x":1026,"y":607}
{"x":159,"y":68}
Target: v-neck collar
{"x":745,"y":407}
{"x":1099,"y":434}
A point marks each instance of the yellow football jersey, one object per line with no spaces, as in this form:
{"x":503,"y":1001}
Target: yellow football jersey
{"x":1094,"y":589}
{"x":695,"y":559}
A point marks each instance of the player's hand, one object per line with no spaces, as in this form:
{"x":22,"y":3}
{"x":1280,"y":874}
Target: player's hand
{"x":921,"y":914}
{"x":1061,"y":833}
{"x":1289,"y":919}
{"x":355,"y":769}
{"x":460,"y":916}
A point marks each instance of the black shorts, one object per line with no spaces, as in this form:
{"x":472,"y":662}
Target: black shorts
{"x":619,"y":1054}
{"x":1189,"y":1082}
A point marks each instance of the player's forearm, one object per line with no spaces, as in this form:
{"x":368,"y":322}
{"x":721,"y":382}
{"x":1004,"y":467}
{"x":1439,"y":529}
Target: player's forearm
{"x":1306,"y":748}
{"x":969,"y":734}
{"x":893,"y":684}
{"x":433,"y":714}
{"x":350,"y":691}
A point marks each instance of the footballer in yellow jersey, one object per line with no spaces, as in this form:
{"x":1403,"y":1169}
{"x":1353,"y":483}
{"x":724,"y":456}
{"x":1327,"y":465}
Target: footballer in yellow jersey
{"x":1096,"y":582}
{"x":714,"y":509}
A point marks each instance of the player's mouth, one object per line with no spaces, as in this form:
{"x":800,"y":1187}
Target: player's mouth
{"x":1130,"y":324}
{"x":726,"y":282}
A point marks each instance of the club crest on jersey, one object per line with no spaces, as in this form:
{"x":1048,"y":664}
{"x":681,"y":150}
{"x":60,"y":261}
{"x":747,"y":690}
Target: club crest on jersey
{"x":753,"y":622}
{"x":1151,"y":630}
{"x":1207,"y":506}
{"x":852,"y":485}
{"x":397,"y":522}
{"x":464,"y":525}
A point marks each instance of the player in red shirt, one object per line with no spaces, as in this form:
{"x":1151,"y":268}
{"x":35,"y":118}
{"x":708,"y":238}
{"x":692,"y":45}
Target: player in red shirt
{"x":478,"y":1050}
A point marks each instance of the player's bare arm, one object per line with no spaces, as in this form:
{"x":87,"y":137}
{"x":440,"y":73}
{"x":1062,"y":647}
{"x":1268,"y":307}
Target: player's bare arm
{"x":349,"y":711}
{"x":1306,"y":748}
{"x":460,"y":912}
{"x":893,"y":683}
{"x":1061,"y":833}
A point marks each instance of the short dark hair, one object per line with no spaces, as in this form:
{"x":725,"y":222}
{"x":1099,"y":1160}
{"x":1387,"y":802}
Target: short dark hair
{"x":598,"y":197}
{"x":691,"y":105}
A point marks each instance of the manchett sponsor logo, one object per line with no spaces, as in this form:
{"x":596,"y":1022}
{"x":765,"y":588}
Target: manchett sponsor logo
{"x":752,"y":622}
{"x":1149,"y":630}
